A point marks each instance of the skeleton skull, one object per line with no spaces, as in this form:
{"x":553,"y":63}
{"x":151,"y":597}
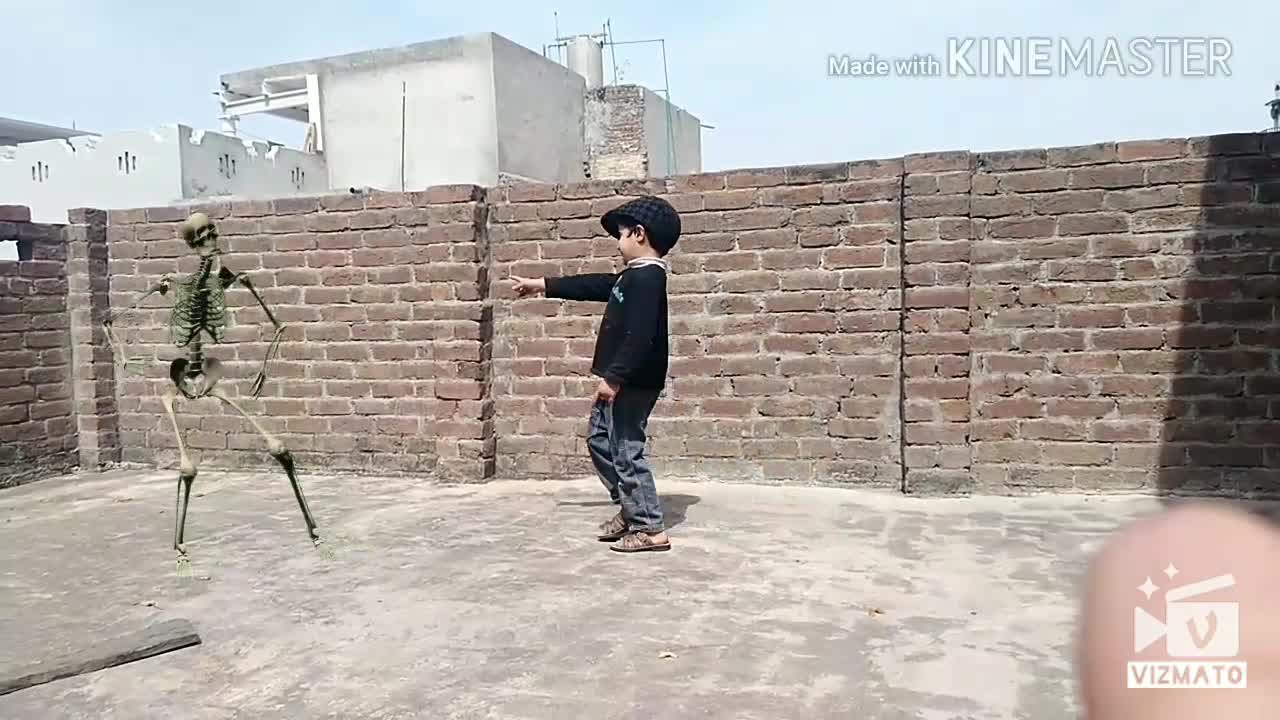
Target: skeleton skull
{"x":200,"y":234}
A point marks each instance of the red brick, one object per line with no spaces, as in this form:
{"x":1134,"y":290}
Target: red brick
{"x":764,"y":177}
{"x":1107,"y":176}
{"x":1028,"y":181}
{"x":922,"y":185}
{"x":749,"y":282}
{"x":1000,"y":205}
{"x":1180,"y":171}
{"x":869,"y":321}
{"x":809,"y":217}
{"x":788,"y":196}
{"x":936,"y":433}
{"x":1135,"y":150}
{"x":937,"y":344}
{"x":945,"y":161}
{"x":700,"y":182}
{"x":1033,"y":227}
{"x":937,"y":297}
{"x":937,"y":251}
{"x":531,"y":192}
{"x":810,"y":237}
{"x":1081,"y":155}
{"x":444,"y":194}
{"x":876,"y":168}
{"x":564,"y":209}
{"x":861,"y":191}
{"x":1012,"y":408}
{"x":1091,"y":317}
{"x":876,"y":212}
{"x":1092,"y":224}
{"x":1012,"y":160}
{"x":729,"y":200}
{"x":818,"y":173}
{"x":854,"y":257}
{"x":935,"y":206}
{"x":1127,"y":339}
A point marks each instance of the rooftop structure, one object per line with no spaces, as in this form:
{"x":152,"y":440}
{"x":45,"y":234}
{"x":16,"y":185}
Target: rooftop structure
{"x":468,"y":109}
{"x":477,"y":109}
{"x":13,"y":131}
{"x":140,"y":168}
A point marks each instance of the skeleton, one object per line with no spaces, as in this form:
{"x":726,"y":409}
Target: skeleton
{"x":200,"y":312}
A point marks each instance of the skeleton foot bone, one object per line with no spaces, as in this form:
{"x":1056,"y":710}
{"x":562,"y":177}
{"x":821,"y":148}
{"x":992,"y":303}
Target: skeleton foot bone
{"x":183,"y":565}
{"x":326,"y":550}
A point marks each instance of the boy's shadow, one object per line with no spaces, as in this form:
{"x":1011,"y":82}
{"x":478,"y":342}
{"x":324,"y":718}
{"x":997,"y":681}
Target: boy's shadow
{"x":675,"y":508}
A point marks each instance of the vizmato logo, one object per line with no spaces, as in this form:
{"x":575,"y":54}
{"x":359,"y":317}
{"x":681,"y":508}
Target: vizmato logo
{"x":1199,"y":630}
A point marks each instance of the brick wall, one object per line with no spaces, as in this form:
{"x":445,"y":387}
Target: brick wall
{"x":936,"y":363}
{"x":1094,"y":318}
{"x":1221,"y":428}
{"x":785,"y":317}
{"x":380,"y":367}
{"x":614,"y":133}
{"x":37,"y":427}
{"x":1099,"y":317}
{"x":1124,"y":334}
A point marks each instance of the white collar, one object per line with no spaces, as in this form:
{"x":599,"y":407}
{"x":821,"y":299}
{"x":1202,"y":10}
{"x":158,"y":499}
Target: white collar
{"x":641,"y":262}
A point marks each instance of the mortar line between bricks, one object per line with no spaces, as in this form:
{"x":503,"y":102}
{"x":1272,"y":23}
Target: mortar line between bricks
{"x":488,"y":461}
{"x":968,"y":286}
{"x":902,"y":329}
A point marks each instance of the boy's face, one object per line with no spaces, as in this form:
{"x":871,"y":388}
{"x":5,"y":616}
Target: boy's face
{"x":632,"y":243}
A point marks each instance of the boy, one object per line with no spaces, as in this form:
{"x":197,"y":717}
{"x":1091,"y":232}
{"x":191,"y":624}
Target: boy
{"x":631,"y":362}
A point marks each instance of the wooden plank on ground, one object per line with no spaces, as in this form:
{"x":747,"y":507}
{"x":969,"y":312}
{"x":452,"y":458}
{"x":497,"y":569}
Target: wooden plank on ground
{"x":155,"y":640}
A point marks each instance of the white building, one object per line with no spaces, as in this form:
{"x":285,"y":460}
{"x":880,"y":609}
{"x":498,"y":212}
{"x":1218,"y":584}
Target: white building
{"x":144,"y":168}
{"x":471,"y":109}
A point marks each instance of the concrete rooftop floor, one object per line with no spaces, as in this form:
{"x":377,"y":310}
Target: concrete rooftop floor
{"x":496,"y":601}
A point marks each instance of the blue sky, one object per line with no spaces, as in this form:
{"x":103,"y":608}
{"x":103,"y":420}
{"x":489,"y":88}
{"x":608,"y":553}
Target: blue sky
{"x":756,"y":70}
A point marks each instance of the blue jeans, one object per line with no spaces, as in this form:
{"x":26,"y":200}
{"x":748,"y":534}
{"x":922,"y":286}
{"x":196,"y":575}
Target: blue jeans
{"x":616,"y":441}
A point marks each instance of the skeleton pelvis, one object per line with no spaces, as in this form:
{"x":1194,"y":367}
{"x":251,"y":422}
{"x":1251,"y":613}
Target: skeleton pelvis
{"x":195,"y":385}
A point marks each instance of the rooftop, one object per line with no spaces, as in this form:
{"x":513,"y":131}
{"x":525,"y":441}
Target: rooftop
{"x":287,"y":81}
{"x":14,"y":131}
{"x":496,"y":600}
{"x":249,"y":81}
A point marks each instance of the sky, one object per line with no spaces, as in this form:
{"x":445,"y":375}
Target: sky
{"x":756,"y":70}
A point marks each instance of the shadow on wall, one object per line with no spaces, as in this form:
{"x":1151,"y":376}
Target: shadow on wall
{"x":1222,"y":425}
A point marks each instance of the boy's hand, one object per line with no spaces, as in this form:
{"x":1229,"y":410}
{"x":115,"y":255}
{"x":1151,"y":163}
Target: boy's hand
{"x":606,"y":391}
{"x":525,"y":287}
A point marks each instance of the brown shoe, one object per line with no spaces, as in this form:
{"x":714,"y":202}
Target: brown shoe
{"x":642,"y":542}
{"x":613,"y":529}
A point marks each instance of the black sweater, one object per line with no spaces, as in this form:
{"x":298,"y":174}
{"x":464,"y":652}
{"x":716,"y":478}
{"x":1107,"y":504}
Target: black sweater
{"x":632,"y":347}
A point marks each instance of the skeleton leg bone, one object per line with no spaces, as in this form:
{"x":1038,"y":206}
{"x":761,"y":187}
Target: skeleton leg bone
{"x":186,"y":475}
{"x":285,"y":458}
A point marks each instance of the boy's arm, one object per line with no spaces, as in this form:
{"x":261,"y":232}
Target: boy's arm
{"x":640,"y":326}
{"x":592,"y":287}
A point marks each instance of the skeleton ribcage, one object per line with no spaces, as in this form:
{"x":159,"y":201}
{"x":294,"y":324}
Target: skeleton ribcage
{"x":199,"y":306}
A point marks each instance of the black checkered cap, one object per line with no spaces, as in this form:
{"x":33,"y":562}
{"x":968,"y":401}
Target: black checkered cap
{"x":659,"y":219}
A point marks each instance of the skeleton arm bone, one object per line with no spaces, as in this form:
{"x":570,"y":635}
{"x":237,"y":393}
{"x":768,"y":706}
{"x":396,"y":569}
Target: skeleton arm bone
{"x":117,"y":348}
{"x":279,"y":328}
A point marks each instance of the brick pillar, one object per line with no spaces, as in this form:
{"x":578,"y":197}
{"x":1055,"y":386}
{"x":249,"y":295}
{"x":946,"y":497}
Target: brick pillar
{"x":937,"y":236}
{"x":88,"y":293}
{"x":37,"y":436}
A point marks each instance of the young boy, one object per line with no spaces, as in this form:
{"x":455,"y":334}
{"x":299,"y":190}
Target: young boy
{"x":631,"y":362}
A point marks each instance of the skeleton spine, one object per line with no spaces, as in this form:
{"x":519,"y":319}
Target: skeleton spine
{"x":199,"y":315}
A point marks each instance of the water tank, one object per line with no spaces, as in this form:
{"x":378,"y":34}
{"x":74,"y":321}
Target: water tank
{"x":586,"y":57}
